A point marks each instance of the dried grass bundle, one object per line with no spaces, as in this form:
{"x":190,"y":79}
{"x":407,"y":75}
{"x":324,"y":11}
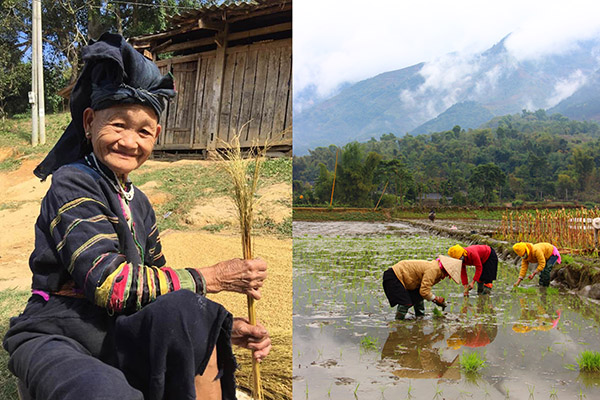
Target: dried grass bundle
{"x":245,"y":184}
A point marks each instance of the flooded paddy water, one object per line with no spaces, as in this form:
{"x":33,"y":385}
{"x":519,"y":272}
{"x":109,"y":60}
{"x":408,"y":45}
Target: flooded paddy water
{"x":347,"y":343}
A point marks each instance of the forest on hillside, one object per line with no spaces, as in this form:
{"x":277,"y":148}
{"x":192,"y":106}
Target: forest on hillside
{"x":529,"y":156}
{"x":67,"y":26}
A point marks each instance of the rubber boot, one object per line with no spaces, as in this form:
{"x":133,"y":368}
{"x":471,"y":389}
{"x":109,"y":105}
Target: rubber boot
{"x":401,"y":311}
{"x":484,"y":288}
{"x":545,"y":276}
{"x":420,"y":308}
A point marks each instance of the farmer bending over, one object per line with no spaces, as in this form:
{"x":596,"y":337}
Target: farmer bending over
{"x":407,"y":283}
{"x":108,"y":319}
{"x":485,"y":261}
{"x":544,"y":254}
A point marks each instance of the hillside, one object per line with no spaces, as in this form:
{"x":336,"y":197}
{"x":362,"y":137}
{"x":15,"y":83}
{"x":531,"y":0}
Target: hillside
{"x":453,"y":90}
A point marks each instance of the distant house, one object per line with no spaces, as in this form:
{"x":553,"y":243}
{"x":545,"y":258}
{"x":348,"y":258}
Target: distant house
{"x":232,"y":66}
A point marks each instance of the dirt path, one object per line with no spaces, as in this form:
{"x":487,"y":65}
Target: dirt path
{"x":20,"y":195}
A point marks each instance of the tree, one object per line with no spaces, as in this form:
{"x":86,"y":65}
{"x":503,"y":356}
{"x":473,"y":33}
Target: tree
{"x":355,"y":175}
{"x":323,"y":185}
{"x":486,"y":177}
{"x":399,"y":177}
{"x":565,"y":184}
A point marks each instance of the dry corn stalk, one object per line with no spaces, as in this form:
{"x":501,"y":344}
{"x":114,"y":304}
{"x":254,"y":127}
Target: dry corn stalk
{"x":244,"y":190}
{"x":566,"y":229}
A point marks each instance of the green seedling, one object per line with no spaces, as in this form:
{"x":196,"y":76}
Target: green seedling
{"x":472,"y":362}
{"x":437,"y":313}
{"x":553,"y":394}
{"x":531,"y":389}
{"x":438,"y":392}
{"x":355,"y":390}
{"x":589,"y":361}
{"x":369,"y":343}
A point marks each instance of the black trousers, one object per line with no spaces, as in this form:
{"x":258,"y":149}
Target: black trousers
{"x":489,"y":270}
{"x":396,"y":293}
{"x":68,"y":349}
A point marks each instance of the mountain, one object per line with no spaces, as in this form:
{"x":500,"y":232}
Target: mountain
{"x":454,"y":90}
{"x":467,"y":114}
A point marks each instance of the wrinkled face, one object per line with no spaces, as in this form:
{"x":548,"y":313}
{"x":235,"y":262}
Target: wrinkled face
{"x":122,"y":136}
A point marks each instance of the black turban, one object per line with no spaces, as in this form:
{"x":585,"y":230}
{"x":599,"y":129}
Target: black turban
{"x":114,"y":73}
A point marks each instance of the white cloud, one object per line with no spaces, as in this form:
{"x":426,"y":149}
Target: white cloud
{"x":338,"y":41}
{"x":566,"y":87}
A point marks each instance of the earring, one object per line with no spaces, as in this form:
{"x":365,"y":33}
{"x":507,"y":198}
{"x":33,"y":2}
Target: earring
{"x":88,"y":135}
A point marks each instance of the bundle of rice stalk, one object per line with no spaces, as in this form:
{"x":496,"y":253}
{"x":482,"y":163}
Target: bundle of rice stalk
{"x":245,"y":185}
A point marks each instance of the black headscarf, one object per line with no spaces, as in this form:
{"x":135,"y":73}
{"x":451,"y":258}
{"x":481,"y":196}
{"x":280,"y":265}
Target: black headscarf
{"x":114,"y":73}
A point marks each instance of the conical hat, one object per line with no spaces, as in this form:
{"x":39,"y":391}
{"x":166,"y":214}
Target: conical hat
{"x":596,"y":223}
{"x":452,"y":267}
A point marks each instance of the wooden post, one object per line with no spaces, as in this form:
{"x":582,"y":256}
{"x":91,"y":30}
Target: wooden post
{"x":334,"y":172}
{"x":215,"y":107}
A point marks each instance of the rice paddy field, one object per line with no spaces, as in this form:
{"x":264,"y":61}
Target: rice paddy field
{"x":521,"y":343}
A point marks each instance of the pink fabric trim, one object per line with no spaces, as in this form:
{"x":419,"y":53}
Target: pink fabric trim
{"x":44,"y":295}
{"x":557,"y":254}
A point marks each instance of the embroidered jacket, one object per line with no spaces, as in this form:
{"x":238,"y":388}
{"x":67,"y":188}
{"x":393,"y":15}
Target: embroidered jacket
{"x":92,"y":242}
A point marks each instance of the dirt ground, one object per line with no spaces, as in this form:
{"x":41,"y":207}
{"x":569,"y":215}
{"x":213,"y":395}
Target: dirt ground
{"x":20,"y":195}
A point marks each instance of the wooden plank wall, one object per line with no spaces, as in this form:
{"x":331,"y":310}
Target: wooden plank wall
{"x":256,"y":98}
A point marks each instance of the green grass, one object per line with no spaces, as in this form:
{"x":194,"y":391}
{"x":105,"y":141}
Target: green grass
{"x":535,"y":290}
{"x":12,"y":302}
{"x":472,"y":363}
{"x":437,"y":313}
{"x":16,"y":133}
{"x":308,"y":215}
{"x":369,"y":343}
{"x":589,"y":361}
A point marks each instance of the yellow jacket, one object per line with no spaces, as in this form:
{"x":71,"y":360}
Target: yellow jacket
{"x":537,"y":253}
{"x":419,"y":274}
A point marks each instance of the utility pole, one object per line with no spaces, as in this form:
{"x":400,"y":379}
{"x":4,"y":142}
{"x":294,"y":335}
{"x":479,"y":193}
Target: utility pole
{"x":36,"y":96}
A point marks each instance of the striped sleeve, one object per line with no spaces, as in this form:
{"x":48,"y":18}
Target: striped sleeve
{"x":85,"y":234}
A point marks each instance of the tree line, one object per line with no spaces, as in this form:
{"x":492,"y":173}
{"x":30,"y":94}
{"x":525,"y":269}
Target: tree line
{"x":529,"y":156}
{"x":67,"y":26}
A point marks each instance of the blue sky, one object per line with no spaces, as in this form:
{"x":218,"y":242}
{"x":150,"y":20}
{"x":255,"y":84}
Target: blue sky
{"x":337,"y":41}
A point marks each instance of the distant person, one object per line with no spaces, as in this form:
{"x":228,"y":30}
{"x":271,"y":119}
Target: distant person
{"x":544,"y":254}
{"x":432,"y":215}
{"x":485,"y":261}
{"x":408,"y":283}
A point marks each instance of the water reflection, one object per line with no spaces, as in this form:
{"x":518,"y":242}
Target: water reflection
{"x":537,"y":314}
{"x":417,"y":352}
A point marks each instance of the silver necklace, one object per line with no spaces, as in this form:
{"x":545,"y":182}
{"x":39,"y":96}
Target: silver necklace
{"x":128,"y":195}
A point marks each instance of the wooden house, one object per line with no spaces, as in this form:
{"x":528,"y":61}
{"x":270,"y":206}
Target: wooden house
{"x":232,"y":66}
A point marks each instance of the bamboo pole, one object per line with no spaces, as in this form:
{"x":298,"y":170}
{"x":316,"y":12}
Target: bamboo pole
{"x":334,"y":173}
{"x":377,"y":205}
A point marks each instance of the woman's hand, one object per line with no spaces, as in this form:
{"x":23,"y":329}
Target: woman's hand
{"x":255,"y":338}
{"x":236,"y":275}
{"x":466,"y":291}
{"x":518,"y":282}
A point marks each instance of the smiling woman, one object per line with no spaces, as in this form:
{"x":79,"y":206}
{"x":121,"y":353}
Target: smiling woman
{"x":108,"y":318}
{"x":122,"y":137}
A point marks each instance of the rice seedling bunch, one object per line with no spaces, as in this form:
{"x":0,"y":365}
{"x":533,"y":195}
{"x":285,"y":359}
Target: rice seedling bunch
{"x":472,"y":363}
{"x":589,"y":361}
{"x":245,"y":185}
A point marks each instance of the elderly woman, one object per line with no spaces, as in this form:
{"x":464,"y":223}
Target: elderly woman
{"x":408,"y":282}
{"x":544,"y":254}
{"x":108,"y":319}
{"x":485,"y":261}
